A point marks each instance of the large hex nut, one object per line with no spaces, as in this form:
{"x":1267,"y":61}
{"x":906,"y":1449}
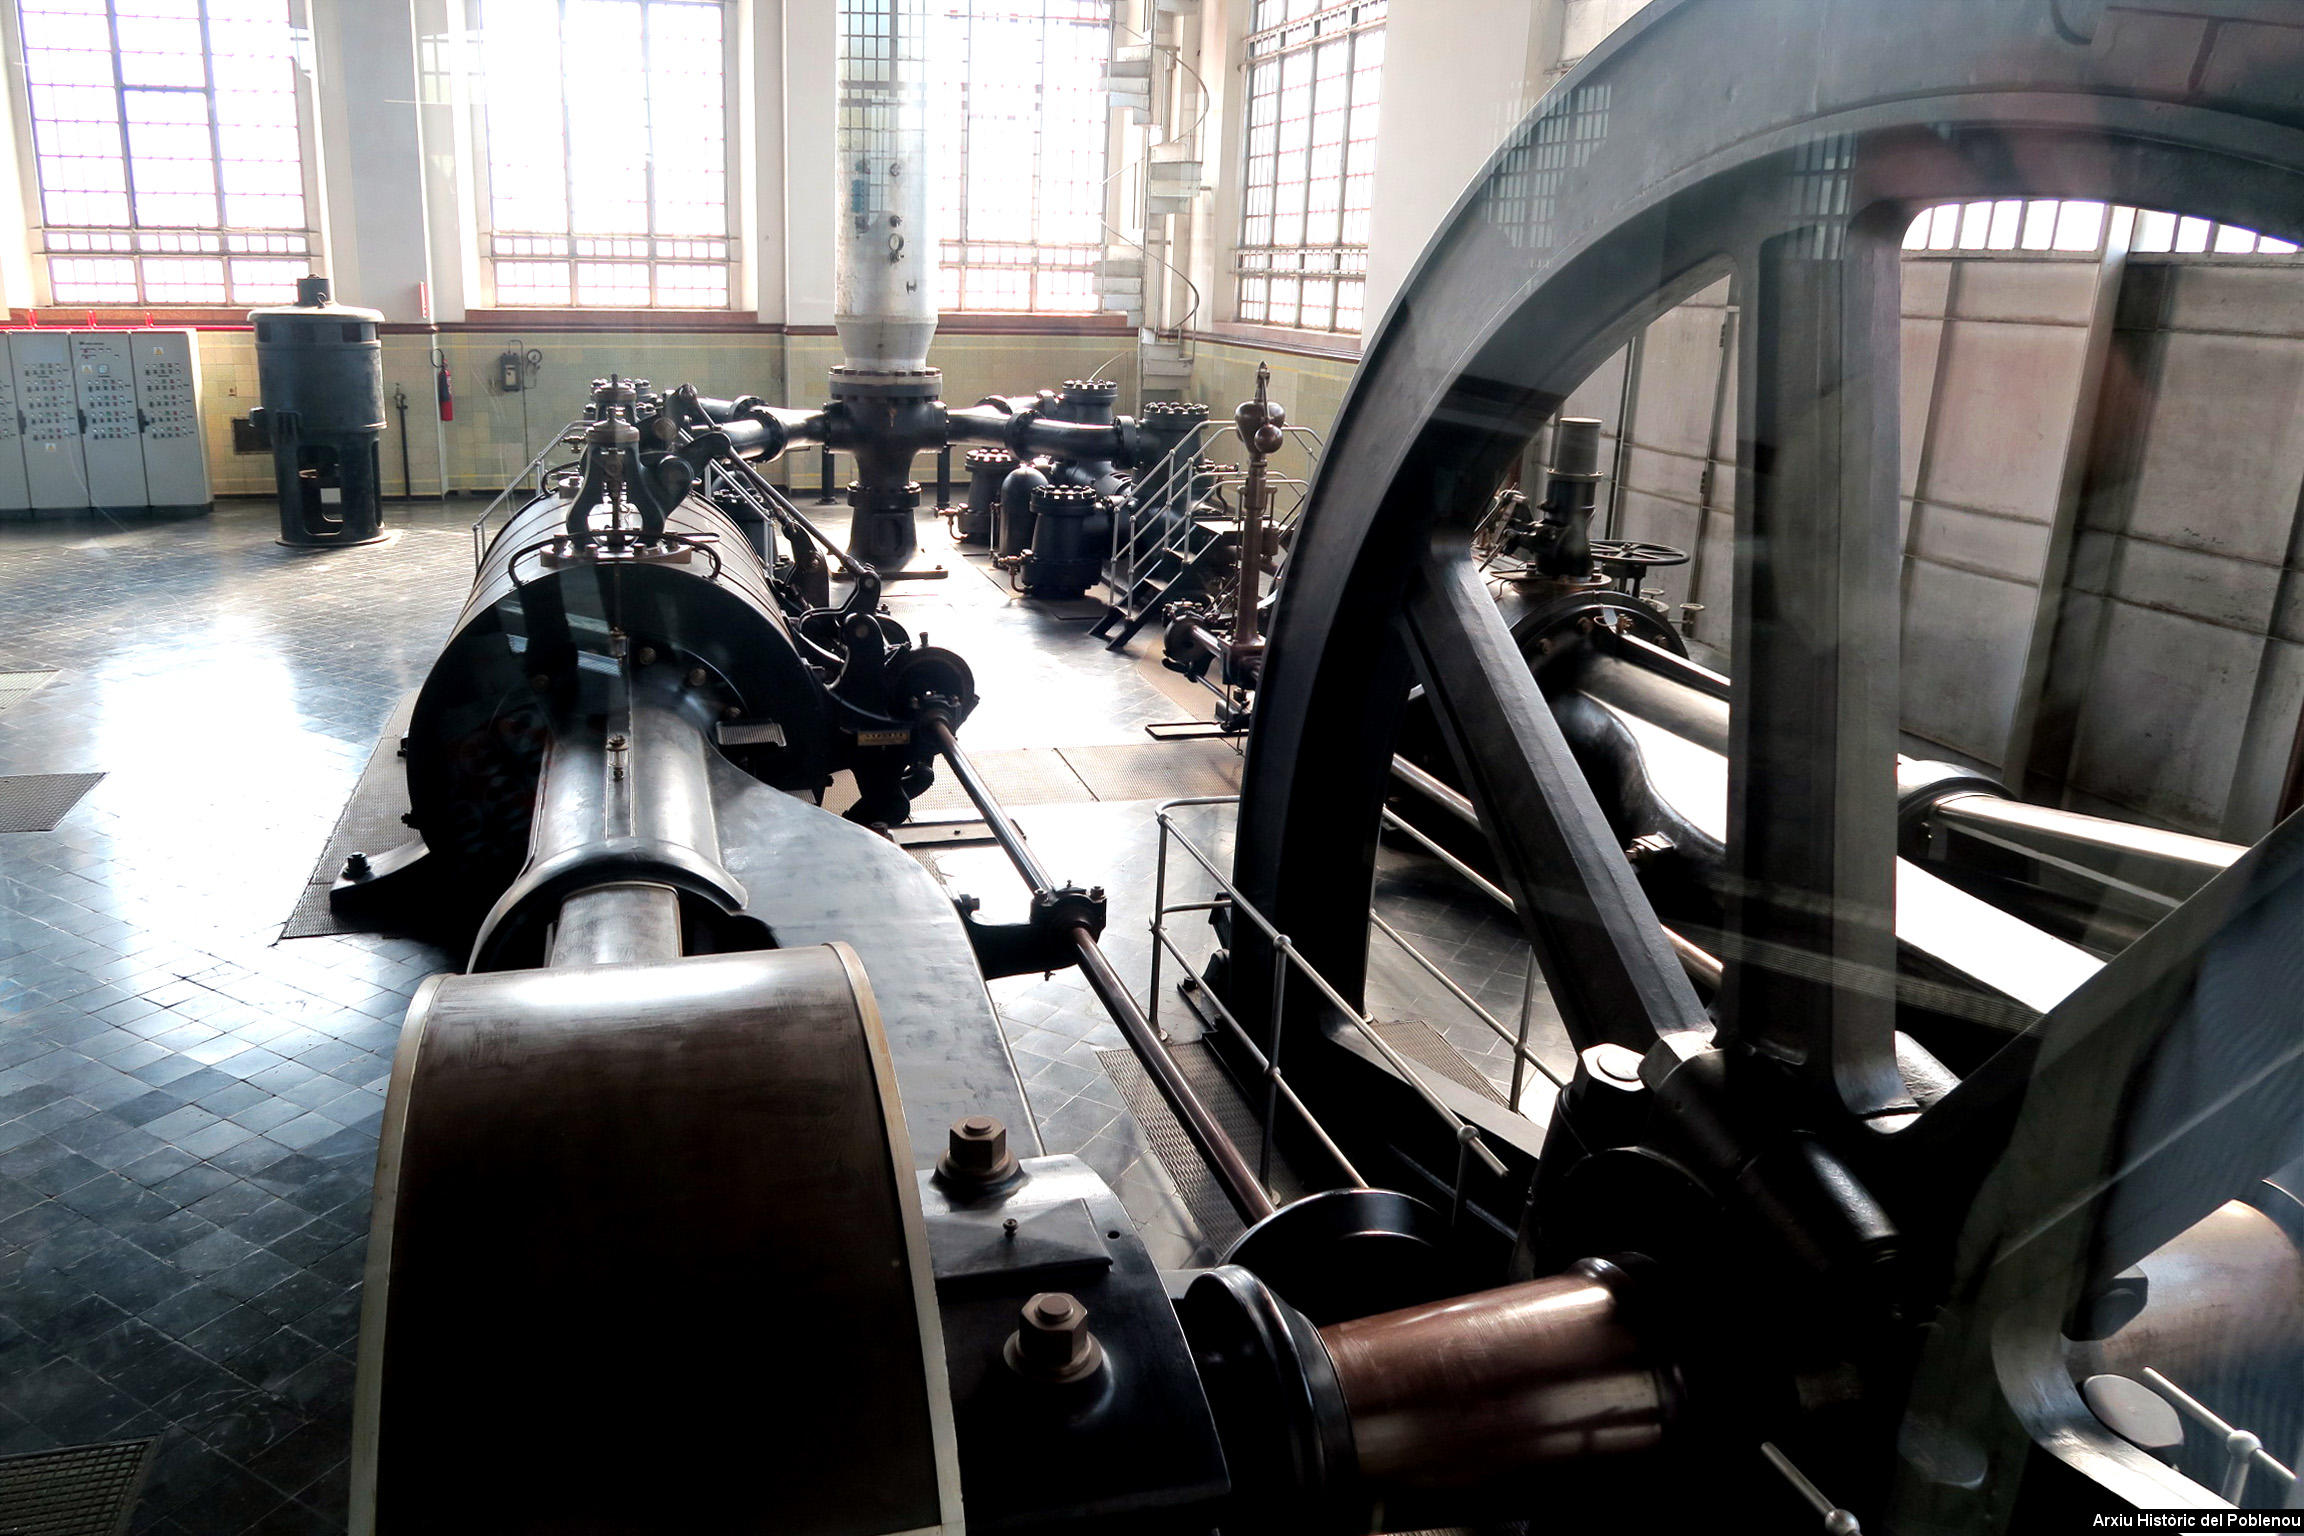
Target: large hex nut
{"x":976,"y":1157}
{"x":1052,"y":1342}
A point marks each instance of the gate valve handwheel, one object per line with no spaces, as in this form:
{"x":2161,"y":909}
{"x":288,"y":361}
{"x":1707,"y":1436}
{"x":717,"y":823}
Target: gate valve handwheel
{"x":1632,"y":554}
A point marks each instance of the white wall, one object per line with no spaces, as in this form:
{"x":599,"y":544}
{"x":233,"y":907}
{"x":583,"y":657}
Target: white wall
{"x":1457,"y":78}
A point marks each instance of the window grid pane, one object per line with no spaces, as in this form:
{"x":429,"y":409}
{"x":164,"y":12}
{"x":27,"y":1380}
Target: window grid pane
{"x":1315,"y":68}
{"x":166,"y":133}
{"x":637,"y":217}
{"x":1022,"y":231}
{"x":2072,"y":226}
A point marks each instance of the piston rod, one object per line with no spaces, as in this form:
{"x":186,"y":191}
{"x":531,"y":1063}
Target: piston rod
{"x":1225,"y":1161}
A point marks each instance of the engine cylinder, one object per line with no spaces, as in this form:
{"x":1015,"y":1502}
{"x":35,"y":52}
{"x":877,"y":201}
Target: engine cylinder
{"x":538,"y":642}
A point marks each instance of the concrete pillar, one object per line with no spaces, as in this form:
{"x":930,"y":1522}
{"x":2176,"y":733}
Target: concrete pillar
{"x":811,"y":37}
{"x":372,"y":154}
{"x":757,"y":157}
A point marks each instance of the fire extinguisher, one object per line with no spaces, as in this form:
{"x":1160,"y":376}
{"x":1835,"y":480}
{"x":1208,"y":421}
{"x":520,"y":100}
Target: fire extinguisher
{"x":447,"y":392}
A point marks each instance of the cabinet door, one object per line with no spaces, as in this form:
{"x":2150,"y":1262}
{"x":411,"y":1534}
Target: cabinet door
{"x":111,"y":435}
{"x":15,"y":495}
{"x":168,"y":394}
{"x":49,"y":406}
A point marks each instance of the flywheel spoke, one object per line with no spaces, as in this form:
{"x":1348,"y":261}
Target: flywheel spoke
{"x":1811,"y":790}
{"x":1604,"y":955}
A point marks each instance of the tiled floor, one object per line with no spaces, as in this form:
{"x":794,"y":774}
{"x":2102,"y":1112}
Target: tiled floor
{"x":188,"y":1107}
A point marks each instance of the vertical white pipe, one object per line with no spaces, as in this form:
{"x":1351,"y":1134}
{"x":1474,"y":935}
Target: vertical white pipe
{"x":884,"y":294}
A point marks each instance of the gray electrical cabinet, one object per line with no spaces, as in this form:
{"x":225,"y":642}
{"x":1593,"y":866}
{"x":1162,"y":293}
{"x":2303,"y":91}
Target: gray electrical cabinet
{"x":15,"y":495}
{"x":175,"y":442}
{"x":100,"y":419}
{"x":48,"y":404}
{"x":111,"y":437}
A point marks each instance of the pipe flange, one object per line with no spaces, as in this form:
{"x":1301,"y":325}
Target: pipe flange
{"x":1066,"y":499}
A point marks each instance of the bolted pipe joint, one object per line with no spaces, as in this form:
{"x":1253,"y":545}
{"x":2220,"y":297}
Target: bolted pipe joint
{"x":1052,"y":1343}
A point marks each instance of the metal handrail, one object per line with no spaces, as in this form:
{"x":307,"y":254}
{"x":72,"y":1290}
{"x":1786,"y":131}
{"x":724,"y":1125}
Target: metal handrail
{"x":2243,"y":1450}
{"x":1285,"y":957}
{"x":535,"y":466}
{"x":1129,"y":553}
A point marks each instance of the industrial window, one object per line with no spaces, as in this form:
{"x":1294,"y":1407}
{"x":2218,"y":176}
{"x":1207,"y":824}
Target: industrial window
{"x":1016,"y":125}
{"x":1314,"y":68}
{"x":2073,"y":227}
{"x":168,"y":150}
{"x":606,"y":125}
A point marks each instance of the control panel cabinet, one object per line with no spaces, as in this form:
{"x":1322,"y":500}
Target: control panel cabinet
{"x":95,"y":419}
{"x":111,"y":436}
{"x":48,"y":403}
{"x":15,"y":494}
{"x":175,"y":443}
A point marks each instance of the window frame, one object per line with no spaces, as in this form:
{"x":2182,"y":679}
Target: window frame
{"x":42,"y":238}
{"x":2140,"y":235}
{"x":1346,"y":262}
{"x":1025,"y":256}
{"x":733,"y":32}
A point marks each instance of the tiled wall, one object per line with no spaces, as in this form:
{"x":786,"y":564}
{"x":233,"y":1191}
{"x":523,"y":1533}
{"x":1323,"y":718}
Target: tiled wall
{"x":2182,"y":604}
{"x":488,"y":442}
{"x":227,"y":362}
{"x":1312,"y":388}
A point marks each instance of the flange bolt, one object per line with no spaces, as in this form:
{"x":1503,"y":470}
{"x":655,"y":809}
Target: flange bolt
{"x":976,"y":1157}
{"x":356,"y":866}
{"x":1052,"y":1342}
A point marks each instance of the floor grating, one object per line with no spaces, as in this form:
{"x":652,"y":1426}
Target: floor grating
{"x":1203,"y":1197}
{"x":1427,"y":1047}
{"x":81,"y":1490}
{"x":35,"y":802}
{"x":16,"y":687}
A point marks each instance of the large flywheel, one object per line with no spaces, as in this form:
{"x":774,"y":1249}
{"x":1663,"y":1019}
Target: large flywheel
{"x":1787,"y":146}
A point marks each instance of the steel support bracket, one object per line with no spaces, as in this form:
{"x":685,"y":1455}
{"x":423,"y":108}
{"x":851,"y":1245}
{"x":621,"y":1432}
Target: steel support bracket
{"x":1043,"y":941}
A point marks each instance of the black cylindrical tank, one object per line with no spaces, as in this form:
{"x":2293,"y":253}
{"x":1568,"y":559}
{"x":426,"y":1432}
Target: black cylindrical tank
{"x":987,"y":467}
{"x":1071,"y":525}
{"x":320,"y":374}
{"x":1089,"y":401}
{"x":1012,"y":527}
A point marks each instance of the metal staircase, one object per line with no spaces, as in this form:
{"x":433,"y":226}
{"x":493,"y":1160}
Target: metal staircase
{"x":1177,"y":537}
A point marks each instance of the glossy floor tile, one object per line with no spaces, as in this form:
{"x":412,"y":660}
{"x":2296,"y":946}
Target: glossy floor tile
{"x":188,"y":1105}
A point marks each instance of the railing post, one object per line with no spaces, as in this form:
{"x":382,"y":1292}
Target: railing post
{"x":1159,"y":923}
{"x":1282,"y":952}
{"x":1520,"y":1054}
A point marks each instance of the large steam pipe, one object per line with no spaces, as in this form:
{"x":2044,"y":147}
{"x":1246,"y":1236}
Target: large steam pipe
{"x":1027,"y":432}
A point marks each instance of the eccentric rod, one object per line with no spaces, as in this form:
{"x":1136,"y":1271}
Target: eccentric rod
{"x":1224,"y":1159}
